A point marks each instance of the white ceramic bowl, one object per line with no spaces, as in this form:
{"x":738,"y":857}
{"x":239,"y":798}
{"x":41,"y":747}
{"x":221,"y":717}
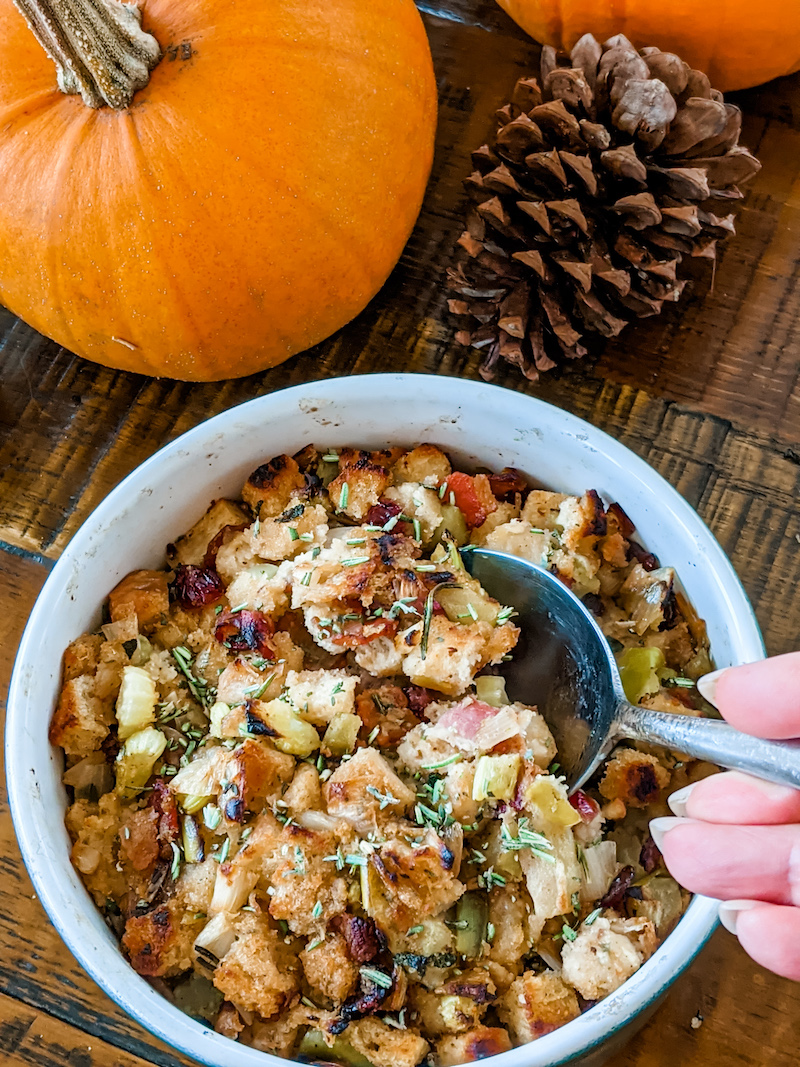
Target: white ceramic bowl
{"x":478,"y":424}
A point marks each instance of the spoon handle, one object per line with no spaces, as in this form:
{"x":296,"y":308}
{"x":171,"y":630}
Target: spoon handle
{"x":712,"y":740}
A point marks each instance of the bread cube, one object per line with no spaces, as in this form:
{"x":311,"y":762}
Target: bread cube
{"x":537,"y":1004}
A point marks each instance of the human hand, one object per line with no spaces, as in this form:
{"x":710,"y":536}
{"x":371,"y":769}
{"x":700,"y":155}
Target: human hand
{"x":738,"y":838}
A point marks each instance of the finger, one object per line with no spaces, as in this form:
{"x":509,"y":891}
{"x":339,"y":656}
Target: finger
{"x":737,"y":798}
{"x":768,"y":933}
{"x":761,"y":698}
{"x":732,"y":862}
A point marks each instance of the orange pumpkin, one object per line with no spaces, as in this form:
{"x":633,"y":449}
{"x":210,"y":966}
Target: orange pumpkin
{"x":251,"y":199}
{"x":737,"y":43}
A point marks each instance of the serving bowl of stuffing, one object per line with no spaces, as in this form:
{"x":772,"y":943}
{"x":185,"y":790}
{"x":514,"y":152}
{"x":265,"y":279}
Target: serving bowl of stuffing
{"x":268,"y":781}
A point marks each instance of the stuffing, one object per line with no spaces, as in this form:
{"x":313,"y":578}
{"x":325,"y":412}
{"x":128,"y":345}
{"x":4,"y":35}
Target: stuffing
{"x":419,"y":502}
{"x":304,"y":793}
{"x":442,"y":1013}
{"x":501,"y":516}
{"x":257,"y":973}
{"x":81,"y":721}
{"x":537,"y":1004}
{"x":82,"y":656}
{"x":159,"y":943}
{"x":301,"y":784}
{"x":329,"y":969}
{"x":261,"y":586}
{"x":384,"y":1046}
{"x":542,"y":508}
{"x":475,"y":1044}
{"x":193,"y":546}
{"x":604,"y":954}
{"x":454,"y":652}
{"x":425,"y":463}
{"x":142,"y":595}
{"x":319,"y":695}
{"x":635,"y":778}
{"x":290,"y":533}
{"x":518,"y":539}
{"x":269,"y":488}
{"x":365,"y":791}
{"x":359,"y":484}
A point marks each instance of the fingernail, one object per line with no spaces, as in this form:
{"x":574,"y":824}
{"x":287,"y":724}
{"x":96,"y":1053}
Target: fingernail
{"x":707,"y":685}
{"x":677,"y":800}
{"x":729,"y":912}
{"x":659,"y":827}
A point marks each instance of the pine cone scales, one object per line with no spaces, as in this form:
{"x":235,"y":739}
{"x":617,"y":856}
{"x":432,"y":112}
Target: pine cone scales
{"x":603,"y":175}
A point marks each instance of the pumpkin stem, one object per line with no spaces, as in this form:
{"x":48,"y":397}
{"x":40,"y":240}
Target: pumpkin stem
{"x":98,"y":47}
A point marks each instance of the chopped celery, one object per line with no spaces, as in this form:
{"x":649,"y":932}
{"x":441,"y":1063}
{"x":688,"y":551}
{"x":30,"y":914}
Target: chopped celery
{"x":340,"y":737}
{"x":291,"y":734}
{"x":491,"y":689}
{"x":638,"y":669}
{"x":496,"y":777}
{"x":192,"y":840}
{"x":136,"y":703}
{"x":192,"y":803}
{"x":550,"y":797}
{"x":471,"y":915}
{"x":134,"y":764}
{"x":314,"y":1048}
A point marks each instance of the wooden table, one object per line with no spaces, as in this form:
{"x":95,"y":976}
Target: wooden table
{"x":708,"y":393}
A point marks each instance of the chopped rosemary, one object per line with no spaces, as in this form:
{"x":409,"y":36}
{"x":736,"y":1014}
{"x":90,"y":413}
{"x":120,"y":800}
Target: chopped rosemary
{"x":536,"y":530}
{"x":503,"y":615}
{"x":427,"y":614}
{"x":449,"y":761}
{"x":415,"y":930}
{"x":385,"y":798}
{"x":293,"y":533}
{"x":590,"y":918}
{"x":489,"y":879}
{"x":330,"y":457}
{"x":490,"y":932}
{"x":200,"y":689}
{"x":354,"y":561}
{"x":212,"y":816}
{"x":338,"y":859}
{"x":373,"y":734}
{"x":306,"y":579}
{"x":526,"y":838}
{"x":316,"y":911}
{"x":378,"y":978}
{"x":344,"y":496}
{"x":315,"y":944}
{"x":424,"y":566}
{"x":255,"y":692}
{"x":315,"y":551}
{"x":417,"y":530}
{"x":568,"y":933}
{"x":354,"y":859}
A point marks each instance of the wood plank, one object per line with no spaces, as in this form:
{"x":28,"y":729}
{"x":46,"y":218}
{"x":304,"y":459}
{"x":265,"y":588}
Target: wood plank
{"x":29,"y":1037}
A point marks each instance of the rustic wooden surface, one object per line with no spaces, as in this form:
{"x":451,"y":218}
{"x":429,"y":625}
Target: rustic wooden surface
{"x":708,"y":393}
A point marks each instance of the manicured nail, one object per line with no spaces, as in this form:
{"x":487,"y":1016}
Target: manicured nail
{"x":677,"y":800}
{"x":661,"y":826}
{"x":729,"y":912}
{"x":707,"y":685}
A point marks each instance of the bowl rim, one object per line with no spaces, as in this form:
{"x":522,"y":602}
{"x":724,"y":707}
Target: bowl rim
{"x":182,"y":1032}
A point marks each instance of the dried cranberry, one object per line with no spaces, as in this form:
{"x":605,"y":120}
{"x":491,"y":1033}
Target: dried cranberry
{"x":641,"y":555}
{"x":195,"y":587}
{"x":598,"y":525}
{"x":584,"y":805}
{"x":245,"y":631}
{"x":650,"y":857}
{"x":593,"y":602}
{"x":418,"y":699}
{"x":380,"y":513}
{"x":618,"y":889}
{"x":361,"y":936}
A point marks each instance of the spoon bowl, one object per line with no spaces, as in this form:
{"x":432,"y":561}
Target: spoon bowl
{"x":565,"y":666}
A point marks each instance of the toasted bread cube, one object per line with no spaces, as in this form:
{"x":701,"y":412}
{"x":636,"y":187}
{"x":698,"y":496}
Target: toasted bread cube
{"x":269,"y":488}
{"x":501,"y":516}
{"x":518,"y":539}
{"x":636,"y":778}
{"x":192,"y":547}
{"x":537,"y":1004}
{"x":453,"y":656}
{"x":329,"y":968}
{"x":143,"y":595}
{"x":421,"y":503}
{"x":425,"y":463}
{"x":257,"y":972}
{"x":290,"y":533}
{"x":358,"y":486}
{"x":319,"y":695}
{"x":542,"y":507}
{"x":304,"y":792}
{"x":81,"y":720}
{"x":475,"y":1044}
{"x":607,"y":953}
{"x":159,"y":944}
{"x":351,"y":792}
{"x":82,"y":656}
{"x":261,"y":586}
{"x":384,"y":1046}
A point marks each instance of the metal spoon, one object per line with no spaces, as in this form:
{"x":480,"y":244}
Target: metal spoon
{"x":564,"y":665}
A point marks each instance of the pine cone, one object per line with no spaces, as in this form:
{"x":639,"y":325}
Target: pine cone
{"x":601,"y":178}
